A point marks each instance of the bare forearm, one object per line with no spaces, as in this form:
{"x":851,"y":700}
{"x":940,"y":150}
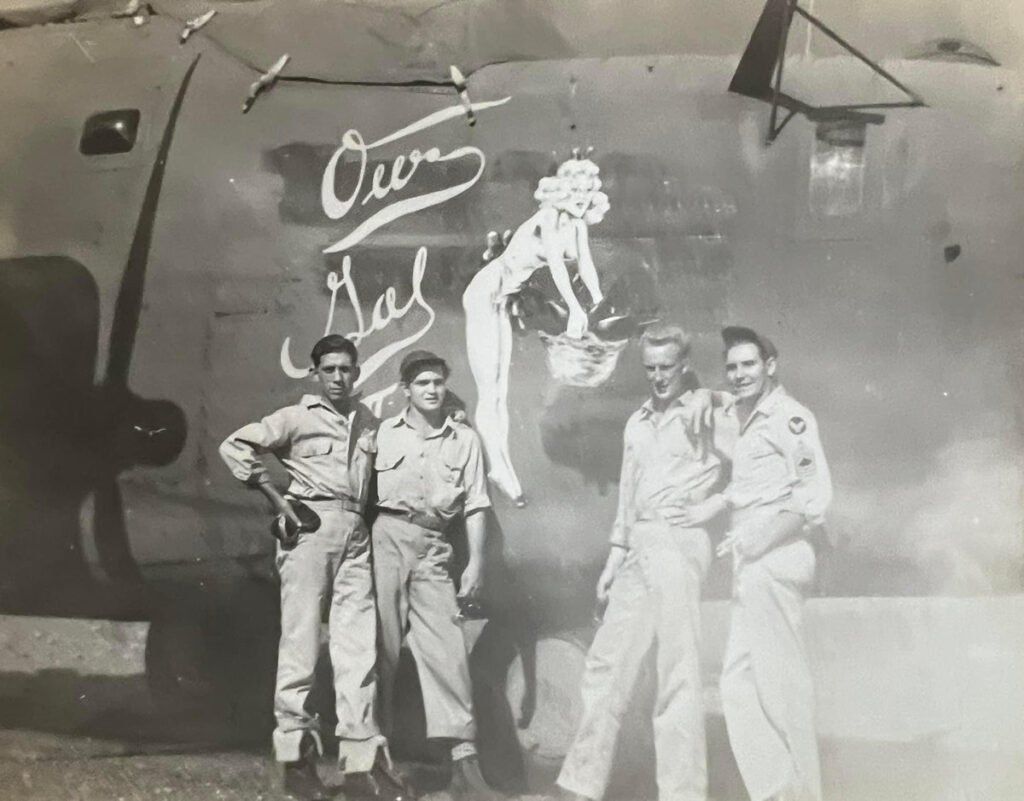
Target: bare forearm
{"x":616,"y":556}
{"x":588,"y":272}
{"x":476,"y":535}
{"x":560,"y":275}
{"x":272,"y":494}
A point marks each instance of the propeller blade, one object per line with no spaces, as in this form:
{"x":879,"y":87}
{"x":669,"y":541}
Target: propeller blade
{"x":128,"y":306}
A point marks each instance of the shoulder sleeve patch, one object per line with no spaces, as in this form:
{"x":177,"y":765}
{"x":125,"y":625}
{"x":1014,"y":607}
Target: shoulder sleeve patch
{"x":797,"y":425}
{"x":805,"y":465}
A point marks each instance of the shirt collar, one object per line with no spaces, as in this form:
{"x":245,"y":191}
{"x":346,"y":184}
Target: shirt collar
{"x":767,"y":404}
{"x":647,"y":407}
{"x":309,"y":401}
{"x":770,"y":402}
{"x":402,"y":420}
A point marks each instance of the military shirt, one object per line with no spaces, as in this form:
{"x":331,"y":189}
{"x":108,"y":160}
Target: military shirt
{"x":439,"y":474}
{"x":778,"y":461}
{"x":328,"y":456}
{"x":665,"y":466}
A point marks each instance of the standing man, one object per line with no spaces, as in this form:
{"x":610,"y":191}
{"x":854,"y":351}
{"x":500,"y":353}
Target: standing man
{"x":430,"y":471}
{"x":326,"y":443}
{"x":651,"y":582}
{"x":779,"y":493}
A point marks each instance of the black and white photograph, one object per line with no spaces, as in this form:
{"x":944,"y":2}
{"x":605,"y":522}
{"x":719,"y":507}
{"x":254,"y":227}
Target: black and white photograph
{"x":512,"y":400}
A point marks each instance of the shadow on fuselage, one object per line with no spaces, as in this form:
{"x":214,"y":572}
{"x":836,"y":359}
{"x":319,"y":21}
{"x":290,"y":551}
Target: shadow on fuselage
{"x":51,"y":433}
{"x":64,"y":440}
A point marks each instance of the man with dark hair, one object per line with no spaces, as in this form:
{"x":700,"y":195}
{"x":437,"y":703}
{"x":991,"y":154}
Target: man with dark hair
{"x":778,"y":495}
{"x":326,"y":444}
{"x":652,"y":580}
{"x":430,"y":472}
{"x":334,"y":343}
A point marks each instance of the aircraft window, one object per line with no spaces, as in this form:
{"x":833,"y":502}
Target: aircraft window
{"x":837,"y":168}
{"x":110,"y":132}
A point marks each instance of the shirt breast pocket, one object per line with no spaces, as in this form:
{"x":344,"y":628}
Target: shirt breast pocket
{"x":451,"y":473}
{"x":315,"y":446}
{"x":763,"y":465}
{"x":449,"y":494}
{"x":761,"y":453}
{"x":387,"y":463}
{"x":679,"y":450}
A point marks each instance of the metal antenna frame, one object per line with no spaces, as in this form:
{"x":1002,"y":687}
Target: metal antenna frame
{"x":854,"y":112}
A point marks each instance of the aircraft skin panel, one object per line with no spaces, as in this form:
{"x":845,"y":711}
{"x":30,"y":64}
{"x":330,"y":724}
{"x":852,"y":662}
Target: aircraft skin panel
{"x":253,"y":281}
{"x":417,"y":41}
{"x":46,"y":132}
{"x":763,"y":222}
{"x":78,"y":214}
{"x":890,"y":286}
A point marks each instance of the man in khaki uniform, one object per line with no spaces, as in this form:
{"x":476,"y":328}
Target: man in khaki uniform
{"x":651,"y":582}
{"x":778,"y":495}
{"x":326,"y":444}
{"x":430,"y":471}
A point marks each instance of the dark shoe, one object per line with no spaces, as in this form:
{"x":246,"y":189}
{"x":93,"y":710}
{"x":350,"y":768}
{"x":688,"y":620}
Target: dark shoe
{"x":469,"y":784}
{"x":301,"y":779}
{"x":381,"y":783}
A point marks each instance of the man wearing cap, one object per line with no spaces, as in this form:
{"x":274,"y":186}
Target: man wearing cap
{"x":778,"y":495}
{"x":651,"y":582}
{"x":430,"y":471}
{"x":325,"y":442}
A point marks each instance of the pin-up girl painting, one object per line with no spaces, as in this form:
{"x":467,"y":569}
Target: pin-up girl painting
{"x":556,"y":235}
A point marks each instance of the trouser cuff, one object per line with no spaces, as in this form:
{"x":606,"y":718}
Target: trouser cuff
{"x":358,"y":756}
{"x":579,"y":789}
{"x":463,"y":749}
{"x":286,"y":743}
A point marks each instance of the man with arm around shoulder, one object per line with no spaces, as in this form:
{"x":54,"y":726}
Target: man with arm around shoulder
{"x":430,"y":471}
{"x":778,"y":495}
{"x":651,"y":582}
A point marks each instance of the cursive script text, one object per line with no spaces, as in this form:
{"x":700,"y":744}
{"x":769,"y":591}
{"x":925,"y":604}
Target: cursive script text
{"x":385,"y":180}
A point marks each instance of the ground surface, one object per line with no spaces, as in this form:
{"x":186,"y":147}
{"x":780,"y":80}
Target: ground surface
{"x":78,"y":723}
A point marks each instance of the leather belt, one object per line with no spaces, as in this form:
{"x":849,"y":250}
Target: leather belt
{"x":344,"y":504}
{"x":416,"y":518}
{"x":654,"y":517}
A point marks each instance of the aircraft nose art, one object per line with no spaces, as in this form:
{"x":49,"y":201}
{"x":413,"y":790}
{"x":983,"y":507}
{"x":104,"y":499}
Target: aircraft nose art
{"x":530,"y":256}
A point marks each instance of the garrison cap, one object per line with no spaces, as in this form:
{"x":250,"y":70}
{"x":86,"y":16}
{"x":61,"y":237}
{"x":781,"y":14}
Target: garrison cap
{"x":738,"y":334}
{"x":418,"y":360}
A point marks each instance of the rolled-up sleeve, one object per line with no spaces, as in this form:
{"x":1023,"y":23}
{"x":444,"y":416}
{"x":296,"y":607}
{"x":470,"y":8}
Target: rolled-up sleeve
{"x":812,"y":490}
{"x":242,"y":449}
{"x":625,"y":515}
{"x":474,"y":478}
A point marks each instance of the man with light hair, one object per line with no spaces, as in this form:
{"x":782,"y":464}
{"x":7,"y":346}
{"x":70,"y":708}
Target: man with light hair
{"x":652,"y":580}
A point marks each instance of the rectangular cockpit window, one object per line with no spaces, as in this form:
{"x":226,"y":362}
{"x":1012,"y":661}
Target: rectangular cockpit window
{"x":110,"y":132}
{"x":837,"y":168}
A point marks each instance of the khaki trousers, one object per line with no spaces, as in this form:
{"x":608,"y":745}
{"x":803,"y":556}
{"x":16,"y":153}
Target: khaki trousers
{"x":767,"y":690}
{"x":654,"y":603}
{"x":328,"y":570}
{"x":416,"y":603}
